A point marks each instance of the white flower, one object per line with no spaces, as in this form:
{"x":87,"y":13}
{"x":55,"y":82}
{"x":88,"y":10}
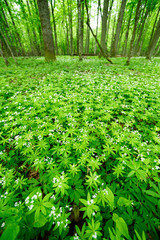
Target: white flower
{"x":30,"y":207}
{"x":27,"y":200}
{"x":95,"y":235}
{"x":3,"y":224}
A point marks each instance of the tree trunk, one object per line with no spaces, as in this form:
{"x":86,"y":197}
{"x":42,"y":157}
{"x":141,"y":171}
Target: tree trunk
{"x":109,"y":20}
{"x":80,"y":37}
{"x":134,"y":32}
{"x":143,"y":20}
{"x":82,"y":21}
{"x":113,"y":30}
{"x":70,"y":25}
{"x":2,"y":52}
{"x":14,"y":26}
{"x":157,"y":49}
{"x":46,"y":30}
{"x":65,"y":20}
{"x":154,"y":41}
{"x":104,"y":24}
{"x":7,"y":44}
{"x":87,"y":39}
{"x":37,"y":47}
{"x":39,"y":29}
{"x":154,"y":26}
{"x":100,"y":47}
{"x":118,"y":29}
{"x":54,"y":26}
{"x":98,"y":8}
{"x":127,"y":33}
{"x":28,"y":28}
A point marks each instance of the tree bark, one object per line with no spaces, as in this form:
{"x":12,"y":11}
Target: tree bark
{"x":98,"y":8}
{"x":127,"y":33}
{"x":14,"y":26}
{"x":54,"y":26}
{"x":100,"y":47}
{"x":118,"y":29}
{"x":7,"y":44}
{"x":154,"y":26}
{"x":154,"y":41}
{"x":37,"y":47}
{"x":87,"y":39}
{"x":134,"y":32}
{"x":46,"y":30}
{"x":80,"y":37}
{"x":104,"y":24}
{"x":70,"y":25}
{"x":109,"y":20}
{"x":2,"y":52}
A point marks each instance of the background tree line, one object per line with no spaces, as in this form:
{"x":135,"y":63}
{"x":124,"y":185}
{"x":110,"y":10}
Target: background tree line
{"x":58,"y":27}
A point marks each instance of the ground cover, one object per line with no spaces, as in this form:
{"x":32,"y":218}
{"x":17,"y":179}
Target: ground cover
{"x":80,"y":149}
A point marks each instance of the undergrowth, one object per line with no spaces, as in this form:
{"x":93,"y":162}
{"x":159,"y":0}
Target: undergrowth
{"x":80,"y":149}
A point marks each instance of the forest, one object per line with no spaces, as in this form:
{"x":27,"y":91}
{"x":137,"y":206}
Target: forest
{"x":79,"y":119}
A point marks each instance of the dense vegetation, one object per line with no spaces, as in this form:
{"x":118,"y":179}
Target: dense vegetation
{"x":80,"y":149}
{"x":122,"y":27}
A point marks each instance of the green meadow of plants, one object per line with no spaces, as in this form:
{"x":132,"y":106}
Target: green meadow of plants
{"x":80,"y":149}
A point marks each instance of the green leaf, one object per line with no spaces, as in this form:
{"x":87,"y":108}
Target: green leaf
{"x":131,"y":173}
{"x":40,"y":221}
{"x":124,"y":202}
{"x":153,"y":194}
{"x":121,"y":225}
{"x":10,"y":232}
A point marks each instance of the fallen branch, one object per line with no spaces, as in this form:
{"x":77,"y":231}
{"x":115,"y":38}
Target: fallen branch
{"x":99,"y":45}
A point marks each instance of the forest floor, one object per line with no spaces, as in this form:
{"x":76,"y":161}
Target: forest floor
{"x":80,"y":146}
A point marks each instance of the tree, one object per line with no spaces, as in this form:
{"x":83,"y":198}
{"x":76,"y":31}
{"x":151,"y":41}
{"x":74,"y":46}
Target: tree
{"x":118,"y":29}
{"x":46,"y":30}
{"x":54,"y":26}
{"x":154,"y":41}
{"x":69,"y":2}
{"x":99,"y":45}
{"x":80,"y":36}
{"x":134,"y":31}
{"x":104,"y":24}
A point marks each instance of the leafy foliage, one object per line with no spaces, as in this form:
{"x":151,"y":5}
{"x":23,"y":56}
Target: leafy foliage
{"x":79,"y":149}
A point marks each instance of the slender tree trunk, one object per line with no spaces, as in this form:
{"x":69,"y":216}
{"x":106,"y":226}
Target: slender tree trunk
{"x":104,"y":24}
{"x":7,"y":44}
{"x":98,"y":8}
{"x":134,"y":32}
{"x":143,"y":20}
{"x":154,"y":26}
{"x":39,"y":29}
{"x":54,"y":26}
{"x":154,"y":41}
{"x":46,"y":30}
{"x":109,"y":20}
{"x":82,"y":21}
{"x":28,"y":28}
{"x":37,"y":47}
{"x":12,"y":38}
{"x":14,"y":26}
{"x":99,"y":45}
{"x":80,"y":37}
{"x":70,"y":25}
{"x":65,"y":20}
{"x":2,"y":52}
{"x":120,"y":38}
{"x":118,"y":29}
{"x":157,"y":49}
{"x":87,"y":39}
{"x":127,"y":33}
{"x":113,"y":30}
